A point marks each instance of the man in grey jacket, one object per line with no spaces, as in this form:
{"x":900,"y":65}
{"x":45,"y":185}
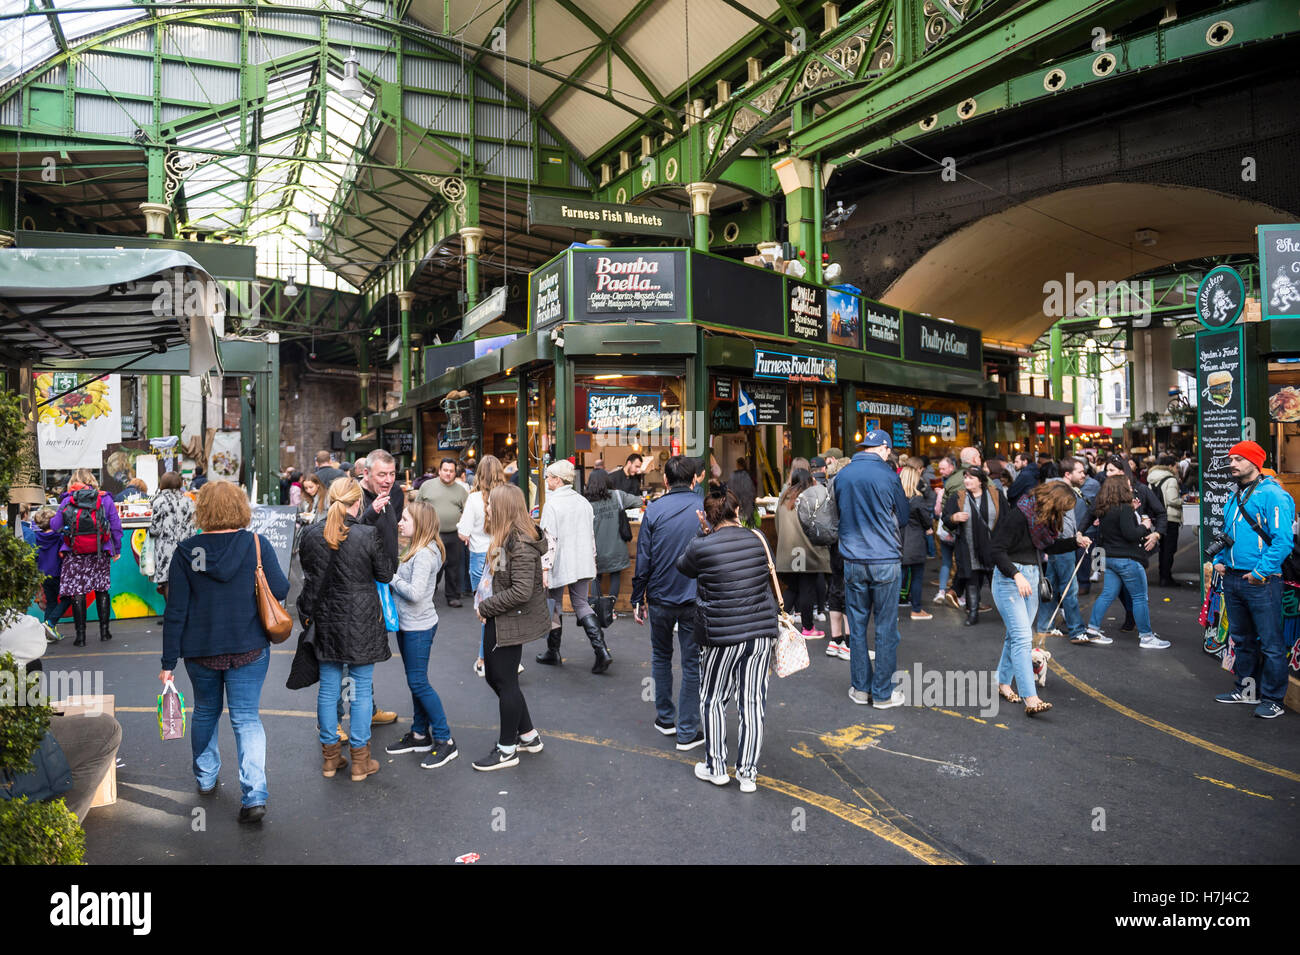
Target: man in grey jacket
{"x":567,"y":520}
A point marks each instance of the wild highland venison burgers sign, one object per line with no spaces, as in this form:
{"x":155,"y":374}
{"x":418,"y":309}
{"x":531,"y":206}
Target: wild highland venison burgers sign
{"x":771,"y":364}
{"x":940,"y":343}
{"x":620,"y":282}
{"x":1220,"y":297}
{"x":1279,"y":270}
{"x":807,"y":316}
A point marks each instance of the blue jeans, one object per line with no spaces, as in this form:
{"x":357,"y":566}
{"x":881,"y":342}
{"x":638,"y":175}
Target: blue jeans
{"x":1255,"y":626}
{"x":867,"y":588}
{"x":330,"y":694}
{"x":242,"y":688}
{"x":476,"y":564}
{"x":1060,"y":571}
{"x":1132,"y":576}
{"x":1018,"y":616}
{"x":946,"y":554}
{"x":687,"y":714}
{"x":414,"y":646}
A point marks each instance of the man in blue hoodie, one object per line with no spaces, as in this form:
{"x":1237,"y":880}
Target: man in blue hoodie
{"x":1258,"y":520}
{"x":872,"y":509}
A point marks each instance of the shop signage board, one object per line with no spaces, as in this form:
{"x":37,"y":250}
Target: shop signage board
{"x":399,"y":442}
{"x":787,"y":367}
{"x":547,"y":295}
{"x":618,"y":412}
{"x":619,"y":218}
{"x":762,"y":402}
{"x":808,"y":417}
{"x":724,"y":419}
{"x":882,"y":328}
{"x":936,"y":342}
{"x":623,"y":283}
{"x":1279,"y":270}
{"x":1221,"y":384}
{"x":902,"y":435}
{"x":843,"y":318}
{"x":723,"y":389}
{"x":1220,"y":297}
{"x":725,"y":292}
{"x":806,"y":316}
{"x":939,"y":423}
{"x":886,"y":408}
{"x":489,"y":310}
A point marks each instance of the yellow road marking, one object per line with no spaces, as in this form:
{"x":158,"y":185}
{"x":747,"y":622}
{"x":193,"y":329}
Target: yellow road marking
{"x":965,"y":716}
{"x":1133,"y":714}
{"x":862,"y":818}
{"x":1220,"y":782}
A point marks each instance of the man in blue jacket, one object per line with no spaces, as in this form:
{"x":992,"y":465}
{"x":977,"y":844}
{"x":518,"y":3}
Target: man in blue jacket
{"x":670,"y":523}
{"x":1258,"y":520}
{"x":873,"y":509}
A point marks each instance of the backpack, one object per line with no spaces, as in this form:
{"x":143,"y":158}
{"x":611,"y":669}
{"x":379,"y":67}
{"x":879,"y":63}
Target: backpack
{"x":83,"y":531}
{"x":818,"y":515}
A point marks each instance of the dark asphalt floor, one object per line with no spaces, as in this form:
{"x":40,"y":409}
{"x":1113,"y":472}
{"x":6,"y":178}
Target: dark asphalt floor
{"x":1136,"y":764}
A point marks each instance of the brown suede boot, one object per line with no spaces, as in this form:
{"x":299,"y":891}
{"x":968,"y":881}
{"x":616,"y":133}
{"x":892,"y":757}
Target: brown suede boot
{"x":334,"y":760}
{"x":362,"y":764}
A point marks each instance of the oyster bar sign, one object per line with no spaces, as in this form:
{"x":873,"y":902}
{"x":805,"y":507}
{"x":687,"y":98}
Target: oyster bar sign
{"x":770,"y":364}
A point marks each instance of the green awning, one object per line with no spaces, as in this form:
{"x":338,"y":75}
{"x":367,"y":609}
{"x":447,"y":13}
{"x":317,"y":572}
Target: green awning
{"x":61,"y":304}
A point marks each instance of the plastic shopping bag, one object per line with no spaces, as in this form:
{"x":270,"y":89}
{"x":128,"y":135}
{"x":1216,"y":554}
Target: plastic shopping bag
{"x":389,"y":605}
{"x":171,"y":712}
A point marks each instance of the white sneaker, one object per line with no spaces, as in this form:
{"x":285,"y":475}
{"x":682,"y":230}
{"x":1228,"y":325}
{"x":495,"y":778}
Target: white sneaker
{"x":820,"y":615}
{"x":702,"y":772}
{"x":859,"y":697}
{"x":896,"y":699}
{"x":746,"y":785}
{"x":1098,"y":639}
{"x":939,"y":598}
{"x":832,"y":648}
{"x":1152,"y":642}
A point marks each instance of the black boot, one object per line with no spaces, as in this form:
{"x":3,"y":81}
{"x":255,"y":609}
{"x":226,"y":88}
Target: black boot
{"x":105,"y":611}
{"x":79,"y":619}
{"x":605,"y":611}
{"x":551,"y":657}
{"x":590,"y":624}
{"x":972,"y":605}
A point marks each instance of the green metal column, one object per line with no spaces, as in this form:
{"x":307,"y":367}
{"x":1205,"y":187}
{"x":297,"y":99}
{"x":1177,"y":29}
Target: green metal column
{"x":1055,"y":368}
{"x":563,"y":406}
{"x":815,"y":236}
{"x":472,"y":237}
{"x":521,"y":433}
{"x":363,"y":361}
{"x":174,"y":421}
{"x":404,"y":300}
{"x":153,"y":407}
{"x":266,"y":452}
{"x":696,"y":440}
{"x":701,"y":193}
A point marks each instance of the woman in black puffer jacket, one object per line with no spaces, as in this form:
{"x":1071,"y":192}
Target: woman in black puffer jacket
{"x":735,"y":624}
{"x":341,"y":561}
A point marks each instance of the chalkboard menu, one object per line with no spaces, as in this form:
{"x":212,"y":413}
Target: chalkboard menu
{"x":1220,"y":382}
{"x":724,"y":419}
{"x":722,"y":389}
{"x":631,"y":283}
{"x":547,"y":295}
{"x":807,"y":312}
{"x":399,"y":442}
{"x":276,"y":522}
{"x":882,"y":328}
{"x":762,"y":402}
{"x":902,"y":436}
{"x":1279,"y":270}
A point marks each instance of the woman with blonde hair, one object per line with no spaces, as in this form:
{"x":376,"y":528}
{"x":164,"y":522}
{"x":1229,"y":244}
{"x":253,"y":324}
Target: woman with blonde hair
{"x":417,"y":618}
{"x":341,"y":561}
{"x":92,"y":539}
{"x":489,"y":474}
{"x":919,"y":526}
{"x":511,"y":603}
{"x":213,"y":622}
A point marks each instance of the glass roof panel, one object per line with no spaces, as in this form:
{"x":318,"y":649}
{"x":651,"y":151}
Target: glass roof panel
{"x":27,"y":41}
{"x":77,"y":25}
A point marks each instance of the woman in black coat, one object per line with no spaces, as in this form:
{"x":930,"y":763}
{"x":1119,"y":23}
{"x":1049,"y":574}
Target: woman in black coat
{"x":919,"y":527}
{"x":1150,"y":506}
{"x":735,"y":624}
{"x":971,"y":514}
{"x":341,"y":562}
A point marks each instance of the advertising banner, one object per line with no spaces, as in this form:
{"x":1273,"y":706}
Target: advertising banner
{"x":73,"y":431}
{"x":1221,"y":384}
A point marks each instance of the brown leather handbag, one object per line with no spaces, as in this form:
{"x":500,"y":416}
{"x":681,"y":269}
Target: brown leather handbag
{"x":275,"y":618}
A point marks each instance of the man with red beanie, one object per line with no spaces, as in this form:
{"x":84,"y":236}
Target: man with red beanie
{"x":1258,"y":520}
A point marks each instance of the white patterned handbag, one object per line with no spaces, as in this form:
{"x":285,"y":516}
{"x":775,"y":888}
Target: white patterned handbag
{"x":791,"y":654}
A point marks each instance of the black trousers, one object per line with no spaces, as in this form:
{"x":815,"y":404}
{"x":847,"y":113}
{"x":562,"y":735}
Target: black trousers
{"x":451,"y":567}
{"x":501,"y":669}
{"x":802,"y":595}
{"x":1168,"y":546}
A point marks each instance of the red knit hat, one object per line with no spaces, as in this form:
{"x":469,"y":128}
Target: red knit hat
{"x":1249,"y":450}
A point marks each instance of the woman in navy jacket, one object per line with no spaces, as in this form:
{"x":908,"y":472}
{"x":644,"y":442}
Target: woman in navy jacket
{"x":212,"y":621}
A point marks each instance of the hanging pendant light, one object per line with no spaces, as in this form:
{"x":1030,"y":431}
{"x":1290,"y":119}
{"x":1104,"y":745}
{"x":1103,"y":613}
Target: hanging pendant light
{"x":289,"y":288}
{"x":314,"y":231}
{"x":352,"y":87}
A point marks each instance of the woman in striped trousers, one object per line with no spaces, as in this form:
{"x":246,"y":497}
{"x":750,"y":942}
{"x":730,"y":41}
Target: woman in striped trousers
{"x":735,"y":624}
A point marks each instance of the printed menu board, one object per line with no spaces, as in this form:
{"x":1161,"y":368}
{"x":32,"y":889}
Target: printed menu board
{"x":1221,"y":384}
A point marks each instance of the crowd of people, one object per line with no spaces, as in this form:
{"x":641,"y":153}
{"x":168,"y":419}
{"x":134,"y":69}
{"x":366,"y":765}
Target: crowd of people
{"x":851,"y":543}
